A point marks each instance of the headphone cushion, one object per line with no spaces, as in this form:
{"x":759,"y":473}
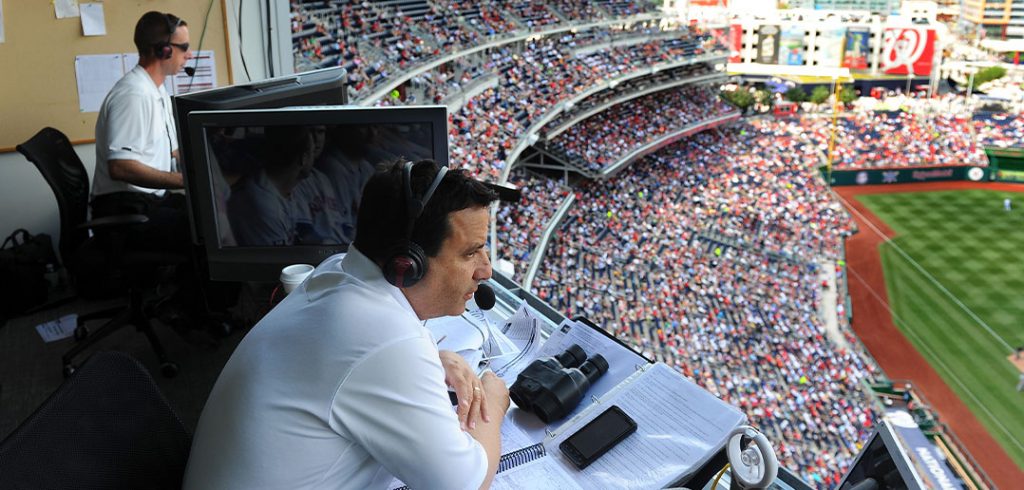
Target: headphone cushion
{"x":406,"y":266}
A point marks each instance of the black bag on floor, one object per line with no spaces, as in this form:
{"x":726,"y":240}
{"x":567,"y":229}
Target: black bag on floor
{"x":23,"y":261}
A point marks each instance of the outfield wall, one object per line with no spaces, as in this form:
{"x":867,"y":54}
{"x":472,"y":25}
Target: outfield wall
{"x":906,"y":175}
{"x":1007,"y":163}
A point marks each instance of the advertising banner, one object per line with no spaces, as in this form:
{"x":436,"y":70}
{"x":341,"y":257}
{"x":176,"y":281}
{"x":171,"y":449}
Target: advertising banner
{"x":908,"y":175}
{"x":830,"y":46}
{"x":926,"y":457}
{"x":855,"y":53}
{"x":735,"y":43}
{"x":792,"y":45}
{"x":907,"y":50}
{"x":721,"y":36}
{"x":767,"y":45}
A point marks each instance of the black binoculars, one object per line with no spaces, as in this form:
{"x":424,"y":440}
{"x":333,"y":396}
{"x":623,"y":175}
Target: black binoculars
{"x":552,"y":387}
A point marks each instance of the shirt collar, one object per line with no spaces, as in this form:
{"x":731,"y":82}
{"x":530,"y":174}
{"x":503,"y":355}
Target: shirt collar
{"x":360,"y":266}
{"x":153,"y":89}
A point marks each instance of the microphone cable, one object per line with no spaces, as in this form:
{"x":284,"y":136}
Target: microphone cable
{"x":191,"y":70}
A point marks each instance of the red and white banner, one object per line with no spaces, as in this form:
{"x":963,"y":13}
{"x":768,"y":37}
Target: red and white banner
{"x":735,"y":43}
{"x":907,"y":50}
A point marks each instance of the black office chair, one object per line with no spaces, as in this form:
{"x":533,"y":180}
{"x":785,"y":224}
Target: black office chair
{"x":94,"y":262}
{"x":106,"y":426}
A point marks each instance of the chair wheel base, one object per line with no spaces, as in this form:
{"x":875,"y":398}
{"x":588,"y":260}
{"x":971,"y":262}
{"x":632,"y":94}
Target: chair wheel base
{"x":169,"y":369}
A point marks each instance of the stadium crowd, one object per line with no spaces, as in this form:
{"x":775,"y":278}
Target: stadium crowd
{"x":908,"y":132}
{"x":868,"y":139}
{"x":706,"y":256}
{"x":531,"y":83}
{"x":351,"y":33}
{"x":999,"y":129}
{"x":608,"y":136}
{"x":520,"y":226}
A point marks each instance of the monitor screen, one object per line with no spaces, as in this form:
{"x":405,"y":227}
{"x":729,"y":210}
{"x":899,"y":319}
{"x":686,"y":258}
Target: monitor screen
{"x":275,"y":187}
{"x":315,"y":88}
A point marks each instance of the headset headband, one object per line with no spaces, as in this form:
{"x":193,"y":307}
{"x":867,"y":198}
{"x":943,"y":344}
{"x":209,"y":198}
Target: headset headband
{"x":414,"y":207}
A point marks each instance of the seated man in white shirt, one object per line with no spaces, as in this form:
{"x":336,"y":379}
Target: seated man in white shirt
{"x":136,"y":140}
{"x":340,"y":385}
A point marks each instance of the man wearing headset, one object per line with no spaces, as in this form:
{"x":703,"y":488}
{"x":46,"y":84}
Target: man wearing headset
{"x":340,"y":385}
{"x":136,"y":141}
{"x":136,"y":149}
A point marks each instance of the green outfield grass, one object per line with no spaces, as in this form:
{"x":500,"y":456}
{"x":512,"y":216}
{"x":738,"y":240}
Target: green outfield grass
{"x":961,"y":246}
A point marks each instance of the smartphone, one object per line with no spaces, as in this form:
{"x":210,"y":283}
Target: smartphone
{"x":597,"y":437}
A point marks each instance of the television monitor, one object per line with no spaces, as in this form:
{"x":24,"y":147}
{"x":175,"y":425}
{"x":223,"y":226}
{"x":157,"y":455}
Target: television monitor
{"x":315,"y":88}
{"x":274,"y":187}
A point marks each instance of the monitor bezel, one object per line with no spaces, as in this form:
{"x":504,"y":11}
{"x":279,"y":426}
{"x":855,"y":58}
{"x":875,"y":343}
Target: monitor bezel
{"x":238,"y":263}
{"x":326,"y":87}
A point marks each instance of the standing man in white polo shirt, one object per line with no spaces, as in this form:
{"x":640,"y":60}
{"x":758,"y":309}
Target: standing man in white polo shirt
{"x":136,"y":141}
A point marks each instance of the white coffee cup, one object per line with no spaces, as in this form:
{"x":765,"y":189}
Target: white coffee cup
{"x":293,"y":275}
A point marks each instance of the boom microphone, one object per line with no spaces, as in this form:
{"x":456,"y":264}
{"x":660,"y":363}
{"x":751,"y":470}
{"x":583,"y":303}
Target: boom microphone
{"x":190,"y":71}
{"x":484,"y":297}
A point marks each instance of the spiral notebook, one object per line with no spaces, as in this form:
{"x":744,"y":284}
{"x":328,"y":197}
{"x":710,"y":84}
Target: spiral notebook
{"x":514,"y":458}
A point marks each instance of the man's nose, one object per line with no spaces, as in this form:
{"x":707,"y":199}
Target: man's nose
{"x":483,"y":272}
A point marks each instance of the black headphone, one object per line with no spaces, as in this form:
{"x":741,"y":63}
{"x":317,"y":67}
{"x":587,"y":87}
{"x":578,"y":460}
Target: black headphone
{"x":163,"y":49}
{"x":407,"y":263}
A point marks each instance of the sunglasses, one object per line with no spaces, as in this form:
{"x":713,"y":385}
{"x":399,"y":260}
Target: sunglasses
{"x":181,"y":46}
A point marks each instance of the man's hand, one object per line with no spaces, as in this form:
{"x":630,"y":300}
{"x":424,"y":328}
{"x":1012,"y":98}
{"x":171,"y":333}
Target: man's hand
{"x":497,"y":392}
{"x":468,"y":388}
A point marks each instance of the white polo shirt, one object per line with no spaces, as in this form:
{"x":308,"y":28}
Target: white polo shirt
{"x":340,"y":386}
{"x":135,"y":123}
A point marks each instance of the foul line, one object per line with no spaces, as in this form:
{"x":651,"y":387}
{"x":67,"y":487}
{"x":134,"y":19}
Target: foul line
{"x":926,"y":274}
{"x":937,"y":359}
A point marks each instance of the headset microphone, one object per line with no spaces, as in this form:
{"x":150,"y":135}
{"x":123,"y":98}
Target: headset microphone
{"x":484,"y":297}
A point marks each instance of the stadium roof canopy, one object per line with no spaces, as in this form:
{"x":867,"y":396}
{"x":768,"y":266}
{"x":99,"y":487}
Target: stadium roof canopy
{"x":806,"y":74}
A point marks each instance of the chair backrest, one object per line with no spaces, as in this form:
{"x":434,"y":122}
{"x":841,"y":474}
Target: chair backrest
{"x":53,"y":155}
{"x":107,"y":426}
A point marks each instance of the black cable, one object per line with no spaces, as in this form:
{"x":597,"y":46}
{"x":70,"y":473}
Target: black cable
{"x":270,"y":42}
{"x":241,"y":51}
{"x":206,"y":22}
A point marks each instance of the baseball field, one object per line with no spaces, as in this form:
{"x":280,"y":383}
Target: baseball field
{"x":953,"y":263}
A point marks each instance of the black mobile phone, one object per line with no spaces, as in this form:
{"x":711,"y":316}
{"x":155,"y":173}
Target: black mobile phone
{"x":597,"y":437}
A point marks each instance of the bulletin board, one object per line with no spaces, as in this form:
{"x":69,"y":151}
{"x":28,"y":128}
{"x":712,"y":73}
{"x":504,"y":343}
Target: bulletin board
{"x":38,"y":87}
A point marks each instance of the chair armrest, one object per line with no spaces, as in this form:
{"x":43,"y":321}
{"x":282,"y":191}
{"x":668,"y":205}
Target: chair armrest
{"x":120,"y":220}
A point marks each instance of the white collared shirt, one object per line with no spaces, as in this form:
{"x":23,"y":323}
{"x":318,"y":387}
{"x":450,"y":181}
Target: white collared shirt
{"x":134,"y":123}
{"x":339,"y":386}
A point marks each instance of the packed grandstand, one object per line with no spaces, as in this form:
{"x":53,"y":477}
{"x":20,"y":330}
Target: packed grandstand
{"x":696,"y":236}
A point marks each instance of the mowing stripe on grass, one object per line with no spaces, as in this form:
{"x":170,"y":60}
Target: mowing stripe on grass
{"x":927,"y":275}
{"x":951,"y":374}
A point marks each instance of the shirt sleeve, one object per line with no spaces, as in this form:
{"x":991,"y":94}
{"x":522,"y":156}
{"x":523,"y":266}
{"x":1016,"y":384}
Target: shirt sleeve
{"x":126,"y":132}
{"x":395,"y":405}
